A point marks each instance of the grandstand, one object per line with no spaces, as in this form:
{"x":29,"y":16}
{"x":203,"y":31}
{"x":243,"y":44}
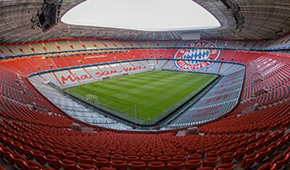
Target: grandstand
{"x":238,"y":118}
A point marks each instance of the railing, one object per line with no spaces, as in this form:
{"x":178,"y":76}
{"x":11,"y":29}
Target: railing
{"x":66,"y":53}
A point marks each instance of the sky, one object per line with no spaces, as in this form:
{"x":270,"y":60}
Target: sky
{"x":142,"y":15}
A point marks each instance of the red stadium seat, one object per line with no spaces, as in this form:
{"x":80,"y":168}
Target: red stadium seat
{"x":31,"y":165}
{"x":70,"y":156}
{"x":194,"y":156}
{"x":118,"y":164}
{"x":205,"y":168}
{"x":52,"y":161}
{"x":92,"y":154}
{"x":280,"y":161}
{"x":156,"y":154}
{"x":226,"y":166}
{"x":49,"y":168}
{"x":240,"y":152}
{"x":148,"y":159}
{"x":174,"y":165}
{"x":228,"y":157}
{"x":164,"y":159}
{"x":57,"y":152}
{"x":137,"y":165}
{"x":156,"y":165}
{"x":85,"y":159}
{"x":107,"y":168}
{"x":193,"y":164}
{"x":213,"y":153}
{"x":266,"y":166}
{"x":179,"y":158}
{"x":262,"y":154}
{"x":117,"y":157}
{"x":248,"y":161}
{"x":85,"y":167}
{"x":67,"y":164}
{"x":6,"y":153}
{"x":132,"y":158}
{"x":210,"y":162}
{"x":38,"y":156}
{"x":104,"y":155}
{"x":101,"y":162}
{"x":18,"y":160}
{"x":26,"y":150}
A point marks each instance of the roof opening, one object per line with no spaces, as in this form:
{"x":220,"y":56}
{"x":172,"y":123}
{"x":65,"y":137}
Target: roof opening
{"x":142,"y":15}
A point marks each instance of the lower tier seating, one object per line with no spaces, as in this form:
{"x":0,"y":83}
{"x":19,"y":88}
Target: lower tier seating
{"x":34,"y":134}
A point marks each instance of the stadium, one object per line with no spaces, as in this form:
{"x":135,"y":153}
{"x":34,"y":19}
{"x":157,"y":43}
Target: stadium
{"x":145,"y":85}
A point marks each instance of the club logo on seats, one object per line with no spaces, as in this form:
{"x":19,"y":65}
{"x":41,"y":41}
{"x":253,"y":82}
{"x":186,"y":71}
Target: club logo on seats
{"x":191,"y":56}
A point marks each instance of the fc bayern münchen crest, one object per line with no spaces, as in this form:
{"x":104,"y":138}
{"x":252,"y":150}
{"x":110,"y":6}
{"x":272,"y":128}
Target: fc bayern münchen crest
{"x":196,"y":54}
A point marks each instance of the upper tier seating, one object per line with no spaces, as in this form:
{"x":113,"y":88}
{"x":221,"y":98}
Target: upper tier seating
{"x":87,"y":44}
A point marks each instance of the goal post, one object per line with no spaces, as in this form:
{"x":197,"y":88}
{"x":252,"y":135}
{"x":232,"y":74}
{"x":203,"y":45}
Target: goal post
{"x":152,"y":66}
{"x":92,"y":98}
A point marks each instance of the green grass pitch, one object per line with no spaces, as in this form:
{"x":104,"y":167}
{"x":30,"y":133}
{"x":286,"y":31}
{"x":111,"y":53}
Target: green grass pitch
{"x":146,"y":94}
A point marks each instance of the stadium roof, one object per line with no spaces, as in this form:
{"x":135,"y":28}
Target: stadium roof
{"x":240,"y":19}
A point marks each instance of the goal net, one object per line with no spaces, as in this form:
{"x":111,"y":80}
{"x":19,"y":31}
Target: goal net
{"x":91,"y":98}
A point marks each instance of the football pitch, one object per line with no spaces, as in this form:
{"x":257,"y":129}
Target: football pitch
{"x":143,"y":96}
